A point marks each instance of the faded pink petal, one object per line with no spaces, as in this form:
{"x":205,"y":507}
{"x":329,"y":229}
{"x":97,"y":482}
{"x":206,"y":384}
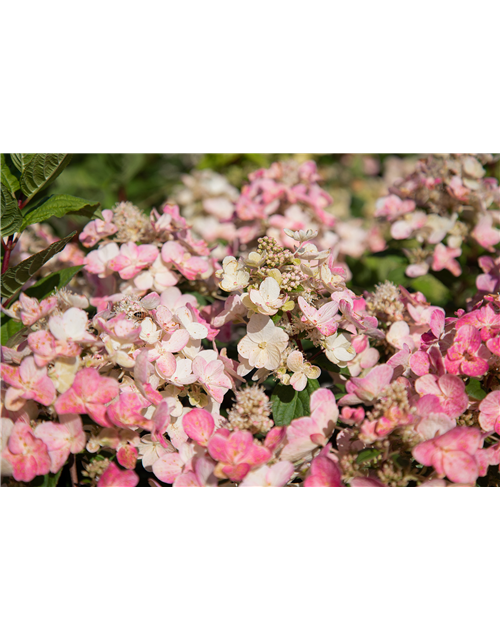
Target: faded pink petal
{"x":168,"y":467}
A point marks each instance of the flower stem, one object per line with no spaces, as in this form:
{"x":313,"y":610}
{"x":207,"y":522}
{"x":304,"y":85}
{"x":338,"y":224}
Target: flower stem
{"x":74,"y":472}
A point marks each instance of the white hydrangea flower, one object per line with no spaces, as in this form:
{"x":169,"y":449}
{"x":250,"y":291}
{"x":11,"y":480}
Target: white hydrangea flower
{"x":267,"y":299}
{"x":339,"y":350}
{"x":301,"y":236}
{"x":234,"y":275}
{"x":150,"y":451}
{"x":263,"y":344}
{"x":196,"y":330}
{"x":72,"y":325}
{"x":302,"y":370}
{"x":150,"y":332}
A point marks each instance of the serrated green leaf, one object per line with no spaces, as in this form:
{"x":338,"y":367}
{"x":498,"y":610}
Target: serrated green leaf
{"x":434,"y":290}
{"x":12,"y":218}
{"x":40,"y":171}
{"x":9,"y":328}
{"x":45,"y":286}
{"x":21,"y":159}
{"x":289,"y":404}
{"x":59,"y":206}
{"x":474,"y":389}
{"x":14,"y":278}
{"x":366,"y":455}
{"x":8,"y":179}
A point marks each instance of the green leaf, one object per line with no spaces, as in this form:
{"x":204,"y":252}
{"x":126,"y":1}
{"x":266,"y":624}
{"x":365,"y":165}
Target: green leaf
{"x":40,"y":171}
{"x":46,"y":286}
{"x":289,"y":404}
{"x":21,"y":160}
{"x":390,"y":267}
{"x":59,"y":206}
{"x":8,"y":179}
{"x":12,"y":218}
{"x":366,"y":455}
{"x":277,"y":316}
{"x":434,"y":290}
{"x":14,"y":278}
{"x":9,"y":328}
{"x":323,"y":363}
{"x":474,"y":389}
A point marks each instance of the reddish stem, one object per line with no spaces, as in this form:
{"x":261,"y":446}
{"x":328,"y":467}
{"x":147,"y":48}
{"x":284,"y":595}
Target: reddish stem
{"x":318,"y":353}
{"x":6,"y":255}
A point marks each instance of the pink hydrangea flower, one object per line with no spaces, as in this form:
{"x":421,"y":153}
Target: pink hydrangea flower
{"x":89,"y":393}
{"x":444,"y":258}
{"x":209,"y":372}
{"x":276,"y":475}
{"x":98,"y":229}
{"x":486,"y":321}
{"x":45,"y":348}
{"x":30,"y":310}
{"x":368,"y":388}
{"x":237,"y":453}
{"x":484,"y":232}
{"x":126,"y":412}
{"x":171,"y":465}
{"x":99,"y":261}
{"x":62,"y":439}
{"x":448,"y":391}
{"x":324,"y":471}
{"x":452,"y":454}
{"x":489,"y":280}
{"x":27,"y":455}
{"x":393,"y":207}
{"x":467,"y":355}
{"x":116,"y":477}
{"x":307,"y":433}
{"x":190,"y":266}
{"x":201,"y":475}
{"x":489,"y":412}
{"x":27,"y":382}
{"x":322,"y":319}
{"x":132,"y":259}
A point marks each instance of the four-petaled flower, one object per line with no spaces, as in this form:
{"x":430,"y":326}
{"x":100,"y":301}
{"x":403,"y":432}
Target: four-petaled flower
{"x":27,"y":382}
{"x":302,"y":371}
{"x":467,"y":355}
{"x":89,"y":393}
{"x":263,"y":344}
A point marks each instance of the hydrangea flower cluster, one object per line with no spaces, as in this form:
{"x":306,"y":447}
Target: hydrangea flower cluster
{"x":445,"y":202}
{"x":252,"y":364}
{"x":287,"y":195}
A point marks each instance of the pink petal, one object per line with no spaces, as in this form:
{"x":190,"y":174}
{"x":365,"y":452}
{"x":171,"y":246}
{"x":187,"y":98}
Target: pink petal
{"x":460,"y":467}
{"x":115,"y":477}
{"x":45,"y":392}
{"x":69,"y":402}
{"x":199,"y":426}
{"x":127,"y":456}
{"x":168,"y":467}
